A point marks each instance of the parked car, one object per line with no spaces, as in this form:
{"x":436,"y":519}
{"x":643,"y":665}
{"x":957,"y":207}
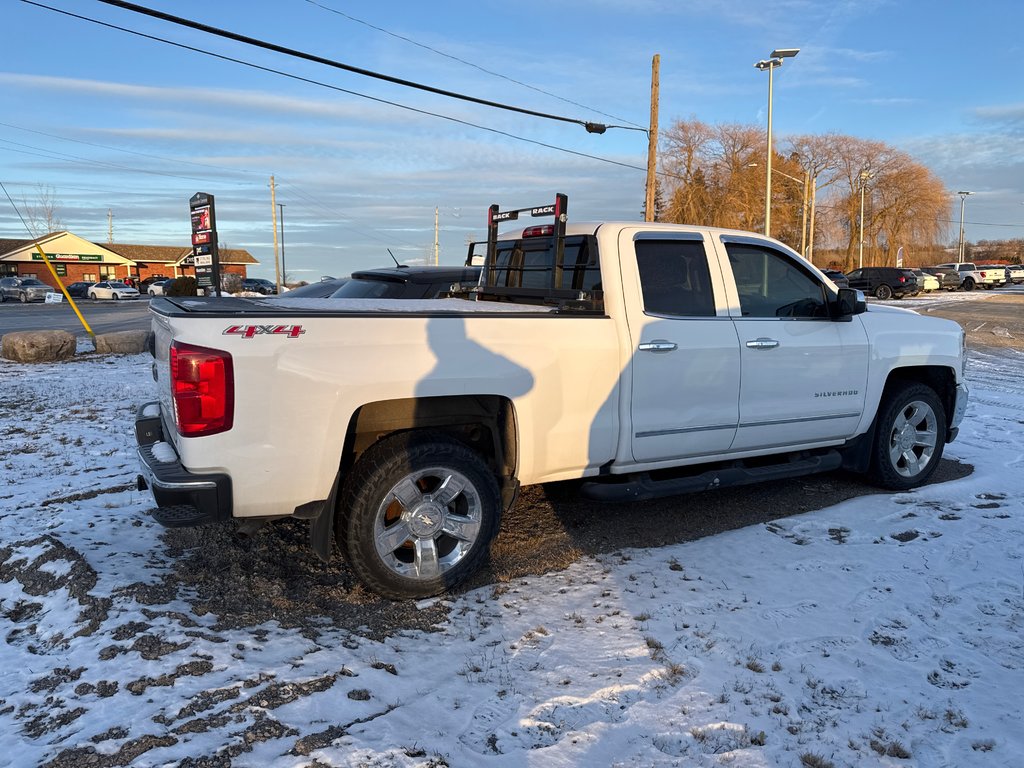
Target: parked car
{"x":112,"y":289}
{"x":926,"y":281}
{"x":837,"y":277}
{"x":319,"y":290}
{"x":996,"y":275}
{"x":259,"y":285}
{"x":144,"y":284}
{"x":24,"y":289}
{"x":973,"y":276}
{"x":1015,"y":274}
{"x":420,"y":282}
{"x":885,"y":282}
{"x":157,"y":288}
{"x":949,"y":279}
{"x":79,"y":290}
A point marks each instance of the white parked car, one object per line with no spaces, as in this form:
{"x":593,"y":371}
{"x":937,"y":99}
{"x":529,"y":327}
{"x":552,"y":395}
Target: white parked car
{"x":112,"y":289}
{"x":157,"y":288}
{"x":926,"y":282}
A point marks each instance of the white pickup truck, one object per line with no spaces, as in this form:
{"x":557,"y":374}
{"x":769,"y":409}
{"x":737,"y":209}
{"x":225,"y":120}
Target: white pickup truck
{"x":646,"y":359}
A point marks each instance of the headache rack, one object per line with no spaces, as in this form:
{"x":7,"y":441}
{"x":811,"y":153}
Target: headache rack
{"x":534,"y":268}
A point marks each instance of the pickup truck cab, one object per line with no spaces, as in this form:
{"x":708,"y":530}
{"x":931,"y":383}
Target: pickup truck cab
{"x":972,"y":276}
{"x":646,"y":359}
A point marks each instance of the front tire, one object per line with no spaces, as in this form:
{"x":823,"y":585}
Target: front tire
{"x":883,"y":292}
{"x":23,"y":297}
{"x":969,"y":284}
{"x":417,"y":515}
{"x":910,"y":437}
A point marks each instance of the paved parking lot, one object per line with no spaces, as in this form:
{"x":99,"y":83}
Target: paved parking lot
{"x":102,"y":316}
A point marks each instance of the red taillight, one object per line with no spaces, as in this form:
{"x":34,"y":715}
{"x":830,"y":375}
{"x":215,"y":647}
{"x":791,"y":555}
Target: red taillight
{"x":903,"y":279}
{"x":545,"y":230}
{"x":982,"y":275}
{"x":203,"y":386}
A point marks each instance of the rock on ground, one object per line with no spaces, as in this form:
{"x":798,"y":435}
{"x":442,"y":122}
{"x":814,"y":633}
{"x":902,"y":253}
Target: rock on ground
{"x":37,"y":346}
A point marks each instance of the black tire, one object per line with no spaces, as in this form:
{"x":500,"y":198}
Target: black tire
{"x":419,"y":546}
{"x":114,"y":296}
{"x":968,"y":284}
{"x":910,"y":437}
{"x":883,"y":292}
{"x":2,"y":297}
{"x":23,"y":297}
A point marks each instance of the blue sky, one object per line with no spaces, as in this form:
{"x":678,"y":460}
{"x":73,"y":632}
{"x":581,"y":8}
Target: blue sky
{"x":112,"y":121}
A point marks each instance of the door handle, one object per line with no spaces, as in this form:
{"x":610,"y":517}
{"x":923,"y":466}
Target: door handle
{"x":658,"y":345}
{"x":762,"y":343}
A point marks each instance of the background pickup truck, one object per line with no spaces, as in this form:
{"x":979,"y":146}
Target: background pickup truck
{"x":973,"y":276}
{"x":646,"y":359}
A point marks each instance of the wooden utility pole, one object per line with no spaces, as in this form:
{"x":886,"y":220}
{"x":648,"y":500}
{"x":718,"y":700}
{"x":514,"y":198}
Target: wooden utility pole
{"x":652,"y":142}
{"x":110,"y":226}
{"x":436,"y":249}
{"x":273,"y":213}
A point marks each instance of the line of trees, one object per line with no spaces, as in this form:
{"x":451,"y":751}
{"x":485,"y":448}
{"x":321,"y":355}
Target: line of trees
{"x":716,"y":177}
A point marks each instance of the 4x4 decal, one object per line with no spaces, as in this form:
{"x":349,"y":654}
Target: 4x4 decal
{"x":249,"y":331}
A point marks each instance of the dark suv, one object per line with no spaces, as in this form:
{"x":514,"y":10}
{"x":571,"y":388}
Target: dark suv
{"x":420,"y":282}
{"x":885,"y":282}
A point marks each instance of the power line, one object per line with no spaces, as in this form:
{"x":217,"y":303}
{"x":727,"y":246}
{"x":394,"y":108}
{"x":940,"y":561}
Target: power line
{"x":468,"y":63}
{"x":310,"y":81}
{"x":295,"y":53}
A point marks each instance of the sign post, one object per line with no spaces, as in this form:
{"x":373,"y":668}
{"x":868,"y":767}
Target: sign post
{"x":205,"y":255}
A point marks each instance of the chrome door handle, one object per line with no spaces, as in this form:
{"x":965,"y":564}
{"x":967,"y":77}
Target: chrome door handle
{"x":659,"y":345}
{"x":763,"y":343}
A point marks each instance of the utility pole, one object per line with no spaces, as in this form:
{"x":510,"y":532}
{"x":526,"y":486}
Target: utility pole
{"x":110,"y":226}
{"x":273,"y":213}
{"x":810,"y":227}
{"x":652,"y":141}
{"x":436,"y":249}
{"x":284,"y":271}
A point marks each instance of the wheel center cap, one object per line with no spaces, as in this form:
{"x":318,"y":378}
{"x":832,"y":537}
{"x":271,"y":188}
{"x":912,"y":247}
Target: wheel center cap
{"x":907,"y":439}
{"x":426,"y":520}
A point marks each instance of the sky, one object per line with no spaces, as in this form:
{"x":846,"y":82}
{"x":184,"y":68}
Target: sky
{"x":108,"y":121}
{"x":884,"y":630}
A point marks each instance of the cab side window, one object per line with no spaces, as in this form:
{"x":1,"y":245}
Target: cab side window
{"x":674,"y":278}
{"x":772,"y":285}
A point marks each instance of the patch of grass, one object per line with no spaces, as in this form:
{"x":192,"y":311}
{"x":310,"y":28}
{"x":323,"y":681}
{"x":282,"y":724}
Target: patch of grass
{"x":987,"y":745}
{"x":754,"y":665}
{"x":812,"y":760}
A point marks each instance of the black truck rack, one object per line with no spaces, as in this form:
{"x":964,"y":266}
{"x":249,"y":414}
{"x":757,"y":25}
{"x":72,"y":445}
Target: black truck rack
{"x":506,"y":276}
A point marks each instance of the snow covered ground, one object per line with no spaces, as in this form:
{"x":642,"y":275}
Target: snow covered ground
{"x":884,"y":631}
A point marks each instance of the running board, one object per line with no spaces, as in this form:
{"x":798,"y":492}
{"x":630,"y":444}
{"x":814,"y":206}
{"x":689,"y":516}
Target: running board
{"x":642,"y":486}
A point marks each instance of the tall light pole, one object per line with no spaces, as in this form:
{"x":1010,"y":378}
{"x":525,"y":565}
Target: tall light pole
{"x":803,"y":221}
{"x":960,"y":252}
{"x":864,"y":176}
{"x":774,"y":60}
{"x":284,"y":272}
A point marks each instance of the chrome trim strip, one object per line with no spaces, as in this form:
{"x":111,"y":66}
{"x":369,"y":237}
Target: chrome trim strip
{"x":800,"y":421}
{"x":682,"y":431}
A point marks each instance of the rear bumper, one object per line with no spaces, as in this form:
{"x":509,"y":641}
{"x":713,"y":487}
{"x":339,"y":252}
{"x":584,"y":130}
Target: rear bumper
{"x":183,"y":498}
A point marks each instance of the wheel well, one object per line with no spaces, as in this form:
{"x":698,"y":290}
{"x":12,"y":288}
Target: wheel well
{"x":939,"y":378}
{"x":485,"y":423}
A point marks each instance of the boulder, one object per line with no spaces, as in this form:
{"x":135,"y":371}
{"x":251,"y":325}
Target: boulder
{"x":122,"y":343}
{"x":37,"y":346}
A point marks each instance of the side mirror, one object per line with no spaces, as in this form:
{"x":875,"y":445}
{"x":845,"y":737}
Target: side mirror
{"x":850,"y":302}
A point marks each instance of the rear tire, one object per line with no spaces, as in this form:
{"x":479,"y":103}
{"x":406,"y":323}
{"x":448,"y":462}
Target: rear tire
{"x":883,"y":292}
{"x":909,"y":438}
{"x":968,"y":284}
{"x":23,"y":297}
{"x":417,"y":515}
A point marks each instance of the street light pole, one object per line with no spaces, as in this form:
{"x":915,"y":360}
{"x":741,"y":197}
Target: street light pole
{"x":774,"y":60}
{"x":864,"y":176}
{"x":960,"y":252}
{"x":803,"y":221}
{"x":284,"y":273}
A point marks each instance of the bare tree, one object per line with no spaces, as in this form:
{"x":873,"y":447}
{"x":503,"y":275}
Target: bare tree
{"x":42,"y":213}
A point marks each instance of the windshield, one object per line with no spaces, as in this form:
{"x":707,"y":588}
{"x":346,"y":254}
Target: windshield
{"x":32,"y":282}
{"x":117,"y":285}
{"x":358,"y":288}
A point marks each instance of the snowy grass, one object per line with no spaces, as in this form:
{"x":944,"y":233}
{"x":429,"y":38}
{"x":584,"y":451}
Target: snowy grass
{"x":886,"y":630}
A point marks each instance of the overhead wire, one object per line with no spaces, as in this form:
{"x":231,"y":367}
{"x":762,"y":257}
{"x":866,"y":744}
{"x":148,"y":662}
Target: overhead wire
{"x":467,"y":63}
{"x":295,"y":53}
{"x":349,"y":91}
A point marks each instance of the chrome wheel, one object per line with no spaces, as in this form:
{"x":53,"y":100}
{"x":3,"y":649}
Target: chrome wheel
{"x":417,"y":514}
{"x":427,"y":523}
{"x":913,"y":439}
